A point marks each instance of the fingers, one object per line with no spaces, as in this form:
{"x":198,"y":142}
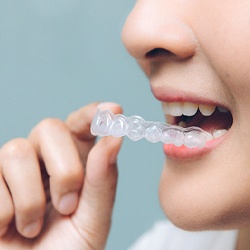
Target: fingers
{"x":55,"y":146}
{"x":79,"y":122}
{"x":6,"y":207}
{"x":93,"y":215}
{"x":64,"y":149}
{"x":21,"y":172}
{"x":63,"y":156}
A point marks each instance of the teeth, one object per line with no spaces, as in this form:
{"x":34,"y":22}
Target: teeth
{"x":172,"y":108}
{"x":182,"y":124}
{"x":170,"y":119}
{"x":219,"y":133}
{"x":223,"y":110}
{"x":209,"y":137}
{"x":175,"y":108}
{"x":189,"y":109}
{"x":207,"y":110}
{"x":165,"y":108}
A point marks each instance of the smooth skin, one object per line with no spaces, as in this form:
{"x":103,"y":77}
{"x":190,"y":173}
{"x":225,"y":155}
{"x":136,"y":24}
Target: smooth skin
{"x":190,"y":47}
{"x":57,"y":187}
{"x":199,"y":49}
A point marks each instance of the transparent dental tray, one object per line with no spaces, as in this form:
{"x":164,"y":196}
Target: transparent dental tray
{"x":105,"y":123}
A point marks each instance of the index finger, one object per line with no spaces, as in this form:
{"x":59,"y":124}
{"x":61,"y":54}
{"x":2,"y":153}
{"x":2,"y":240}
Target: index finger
{"x":79,"y":122}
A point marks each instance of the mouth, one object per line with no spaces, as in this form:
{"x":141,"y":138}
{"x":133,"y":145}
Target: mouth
{"x":214,"y":119}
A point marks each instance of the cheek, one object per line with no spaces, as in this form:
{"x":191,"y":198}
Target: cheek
{"x":208,"y":193}
{"x":231,"y":60}
{"x":226,"y":40}
{"x":213,"y":192}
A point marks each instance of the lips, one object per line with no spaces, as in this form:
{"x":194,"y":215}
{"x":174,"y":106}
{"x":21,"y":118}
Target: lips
{"x":187,"y":109}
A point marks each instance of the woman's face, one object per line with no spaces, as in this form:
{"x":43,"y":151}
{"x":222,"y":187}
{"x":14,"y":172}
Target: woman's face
{"x":196,"y":53}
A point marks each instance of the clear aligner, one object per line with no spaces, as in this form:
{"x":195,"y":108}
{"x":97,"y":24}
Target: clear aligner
{"x":105,"y":123}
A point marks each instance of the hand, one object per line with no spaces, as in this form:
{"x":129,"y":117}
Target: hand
{"x":57,"y":187}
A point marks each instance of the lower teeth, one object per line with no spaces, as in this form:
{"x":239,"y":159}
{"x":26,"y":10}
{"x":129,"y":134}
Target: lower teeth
{"x":107,"y":124}
{"x":219,"y":133}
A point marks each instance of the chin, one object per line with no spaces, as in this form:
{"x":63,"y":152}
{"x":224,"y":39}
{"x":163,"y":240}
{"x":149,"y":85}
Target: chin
{"x":195,"y":217}
{"x":194,"y":201}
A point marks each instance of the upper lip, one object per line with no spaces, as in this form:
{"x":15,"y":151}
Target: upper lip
{"x":170,"y":94}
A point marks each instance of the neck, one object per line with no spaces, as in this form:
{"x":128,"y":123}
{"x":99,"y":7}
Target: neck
{"x":243,"y":239}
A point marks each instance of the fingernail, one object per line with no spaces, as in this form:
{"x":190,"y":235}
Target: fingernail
{"x":32,"y":229}
{"x":68,"y":203}
{"x":3,"y":231}
{"x":106,"y":105}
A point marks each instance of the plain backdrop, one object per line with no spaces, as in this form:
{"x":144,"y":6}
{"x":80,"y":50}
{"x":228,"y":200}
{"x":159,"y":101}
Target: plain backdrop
{"x":59,"y":55}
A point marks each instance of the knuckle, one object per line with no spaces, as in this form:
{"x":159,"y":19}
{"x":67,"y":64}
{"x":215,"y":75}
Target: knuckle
{"x":50,"y":125}
{"x":31,"y":207}
{"x":72,"y":177}
{"x":6,"y":215}
{"x":16,"y":148}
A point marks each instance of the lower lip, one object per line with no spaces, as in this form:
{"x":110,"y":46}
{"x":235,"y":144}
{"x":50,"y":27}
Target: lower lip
{"x":184,"y":153}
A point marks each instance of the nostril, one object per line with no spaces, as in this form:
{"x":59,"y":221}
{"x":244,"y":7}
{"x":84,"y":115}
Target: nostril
{"x":158,"y":52}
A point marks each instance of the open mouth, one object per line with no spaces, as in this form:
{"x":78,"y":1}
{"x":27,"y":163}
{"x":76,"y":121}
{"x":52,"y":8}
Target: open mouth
{"x":214,"y":119}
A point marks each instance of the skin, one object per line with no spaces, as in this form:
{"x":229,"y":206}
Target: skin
{"x":79,"y":181}
{"x":204,"y":52}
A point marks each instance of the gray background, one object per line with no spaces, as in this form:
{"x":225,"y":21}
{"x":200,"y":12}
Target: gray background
{"x":59,"y":55}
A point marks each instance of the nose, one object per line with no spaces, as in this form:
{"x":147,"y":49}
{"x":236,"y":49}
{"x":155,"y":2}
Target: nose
{"x":158,"y":27}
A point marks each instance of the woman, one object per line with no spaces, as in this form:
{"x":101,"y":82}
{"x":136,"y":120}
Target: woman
{"x":196,"y":56}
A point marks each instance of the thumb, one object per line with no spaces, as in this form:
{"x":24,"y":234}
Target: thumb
{"x":93,"y":216}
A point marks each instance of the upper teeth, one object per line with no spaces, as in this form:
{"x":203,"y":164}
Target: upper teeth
{"x":188,"y":109}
